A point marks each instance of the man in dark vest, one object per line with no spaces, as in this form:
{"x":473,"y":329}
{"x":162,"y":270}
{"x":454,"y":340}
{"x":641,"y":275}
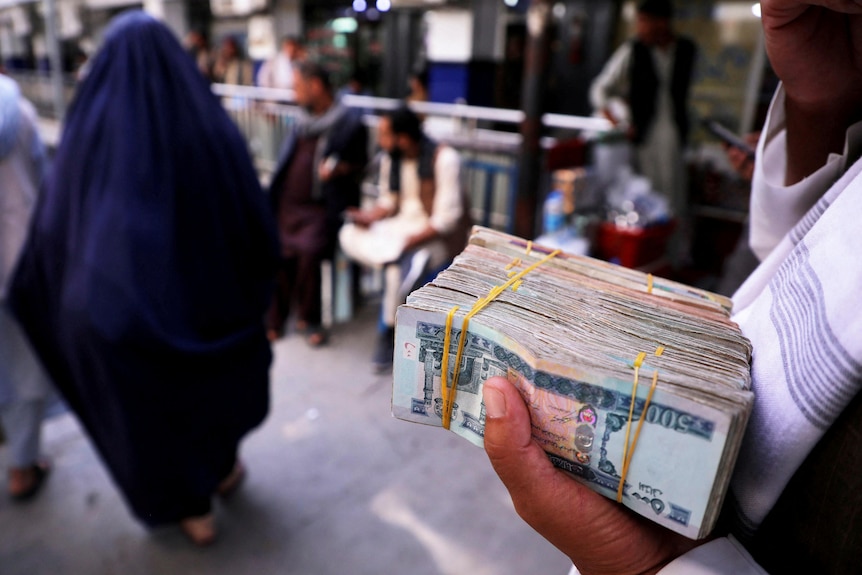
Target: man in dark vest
{"x":652,"y":75}
{"x":419,"y":223}
{"x":317,"y":179}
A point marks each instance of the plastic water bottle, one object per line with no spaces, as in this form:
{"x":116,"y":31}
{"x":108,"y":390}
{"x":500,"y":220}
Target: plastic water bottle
{"x":554,"y":213}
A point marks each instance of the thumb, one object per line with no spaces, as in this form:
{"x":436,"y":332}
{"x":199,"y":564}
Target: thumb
{"x":519,"y":461}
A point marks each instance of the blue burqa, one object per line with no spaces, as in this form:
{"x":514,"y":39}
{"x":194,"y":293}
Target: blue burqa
{"x":147,"y":273}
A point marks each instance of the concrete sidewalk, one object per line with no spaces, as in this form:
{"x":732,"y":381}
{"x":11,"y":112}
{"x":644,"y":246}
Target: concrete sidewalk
{"x":336,"y":486}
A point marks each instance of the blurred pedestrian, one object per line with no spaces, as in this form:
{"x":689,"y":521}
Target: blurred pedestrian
{"x":418,"y":86}
{"x":277,"y":72}
{"x":146,"y":276}
{"x":198,"y":47}
{"x":24,"y":386}
{"x":652,"y":75}
{"x":231,"y":66}
{"x":317,"y":178}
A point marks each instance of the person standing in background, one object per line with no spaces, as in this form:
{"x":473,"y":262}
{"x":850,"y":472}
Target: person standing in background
{"x":652,"y":74}
{"x":146,"y":275}
{"x":277,"y":72}
{"x":198,"y":47}
{"x":231,"y":66}
{"x":24,"y":386}
{"x":317,"y":178}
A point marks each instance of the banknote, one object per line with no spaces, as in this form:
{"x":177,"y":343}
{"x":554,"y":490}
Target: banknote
{"x":569,"y":357}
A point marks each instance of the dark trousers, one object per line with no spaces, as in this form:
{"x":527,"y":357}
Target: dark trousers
{"x":297,"y":281}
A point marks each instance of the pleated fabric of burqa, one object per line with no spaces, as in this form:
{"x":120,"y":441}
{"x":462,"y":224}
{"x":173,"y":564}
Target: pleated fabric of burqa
{"x":147,"y":272}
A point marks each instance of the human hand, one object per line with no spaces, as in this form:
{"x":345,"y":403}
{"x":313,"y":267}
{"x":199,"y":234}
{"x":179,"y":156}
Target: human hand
{"x":359,"y":217}
{"x":741,"y":160}
{"x":815,"y":47}
{"x":599,"y":535}
{"x":326,"y":170}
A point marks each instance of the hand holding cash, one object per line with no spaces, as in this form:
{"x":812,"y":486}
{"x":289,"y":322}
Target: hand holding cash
{"x":598,"y":534}
{"x":637,"y":388}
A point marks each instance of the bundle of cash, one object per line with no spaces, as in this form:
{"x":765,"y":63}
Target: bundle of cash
{"x":601,"y":355}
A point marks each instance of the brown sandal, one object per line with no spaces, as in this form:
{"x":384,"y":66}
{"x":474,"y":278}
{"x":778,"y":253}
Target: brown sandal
{"x":39,"y":472}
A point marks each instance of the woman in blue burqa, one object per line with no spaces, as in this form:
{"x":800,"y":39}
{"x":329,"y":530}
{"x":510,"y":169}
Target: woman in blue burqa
{"x":146,"y":275}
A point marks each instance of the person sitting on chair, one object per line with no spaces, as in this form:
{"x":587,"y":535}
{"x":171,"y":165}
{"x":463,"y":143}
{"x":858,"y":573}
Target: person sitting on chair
{"x":418,"y":224}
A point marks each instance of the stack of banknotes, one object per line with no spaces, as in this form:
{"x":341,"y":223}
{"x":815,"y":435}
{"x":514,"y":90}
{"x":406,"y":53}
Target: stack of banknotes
{"x":637,"y":386}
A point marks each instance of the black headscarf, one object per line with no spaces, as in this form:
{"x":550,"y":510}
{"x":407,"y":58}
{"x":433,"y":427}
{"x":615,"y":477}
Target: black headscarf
{"x":147,"y":273}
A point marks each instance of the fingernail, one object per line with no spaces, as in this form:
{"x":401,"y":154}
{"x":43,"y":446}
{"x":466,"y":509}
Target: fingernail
{"x":495,"y":402}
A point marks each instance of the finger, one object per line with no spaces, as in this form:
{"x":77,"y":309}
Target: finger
{"x":572,"y":517}
{"x":520,"y":462}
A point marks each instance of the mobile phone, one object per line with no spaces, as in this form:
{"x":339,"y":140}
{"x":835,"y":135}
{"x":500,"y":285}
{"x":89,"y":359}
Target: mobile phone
{"x":721,"y":132}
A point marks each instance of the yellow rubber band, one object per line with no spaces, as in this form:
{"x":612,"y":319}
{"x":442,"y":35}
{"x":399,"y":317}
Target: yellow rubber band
{"x":516,"y":285}
{"x":628,"y":460}
{"x":649,"y":283}
{"x":462,"y":339}
{"x":444,"y":375}
{"x":529,"y":247}
{"x":629,"y":450}
{"x":629,"y":426}
{"x":514,"y":263}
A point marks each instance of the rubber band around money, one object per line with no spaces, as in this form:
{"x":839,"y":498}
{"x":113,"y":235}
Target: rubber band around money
{"x":649,"y":283}
{"x":447,"y":341}
{"x":449,"y":398}
{"x":629,"y":450}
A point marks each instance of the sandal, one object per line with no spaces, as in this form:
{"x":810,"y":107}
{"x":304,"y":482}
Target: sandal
{"x":200,"y":530}
{"x":39,"y":472}
{"x":232,"y":482}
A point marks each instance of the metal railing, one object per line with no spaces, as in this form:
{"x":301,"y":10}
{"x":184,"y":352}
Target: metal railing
{"x":486,"y":138}
{"x":489,"y":155}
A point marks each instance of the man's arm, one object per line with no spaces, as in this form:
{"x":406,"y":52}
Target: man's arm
{"x":612,"y":82}
{"x":448,"y":206}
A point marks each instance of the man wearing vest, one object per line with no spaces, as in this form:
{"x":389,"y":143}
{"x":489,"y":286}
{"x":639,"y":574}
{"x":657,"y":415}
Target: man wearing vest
{"x":318,"y":177}
{"x":652,"y":74}
{"x":419,"y":222}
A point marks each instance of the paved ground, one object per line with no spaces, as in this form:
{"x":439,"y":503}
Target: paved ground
{"x":336,"y":486}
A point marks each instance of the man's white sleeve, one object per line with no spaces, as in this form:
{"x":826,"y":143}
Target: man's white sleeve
{"x":722,"y":556}
{"x":448,"y":205}
{"x":613,"y":81}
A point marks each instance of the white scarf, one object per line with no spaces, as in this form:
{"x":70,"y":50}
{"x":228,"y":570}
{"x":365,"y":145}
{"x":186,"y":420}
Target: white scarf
{"x":802,"y":311}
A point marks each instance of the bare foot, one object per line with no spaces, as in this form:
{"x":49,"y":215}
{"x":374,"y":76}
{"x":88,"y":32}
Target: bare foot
{"x":200,"y":530}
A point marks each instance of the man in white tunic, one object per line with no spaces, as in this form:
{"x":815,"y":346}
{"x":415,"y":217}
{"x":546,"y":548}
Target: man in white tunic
{"x":652,"y":75}
{"x":419,"y":222}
